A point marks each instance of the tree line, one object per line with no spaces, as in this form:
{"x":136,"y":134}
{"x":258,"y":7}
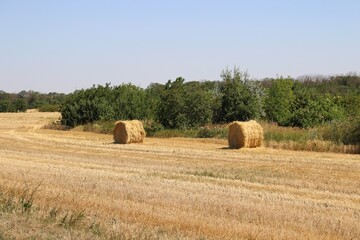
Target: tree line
{"x":304,"y":102}
{"x":20,"y":102}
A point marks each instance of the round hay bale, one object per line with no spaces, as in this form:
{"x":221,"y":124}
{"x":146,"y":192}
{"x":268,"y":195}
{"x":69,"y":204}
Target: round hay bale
{"x":129,"y":132}
{"x":245,"y":134}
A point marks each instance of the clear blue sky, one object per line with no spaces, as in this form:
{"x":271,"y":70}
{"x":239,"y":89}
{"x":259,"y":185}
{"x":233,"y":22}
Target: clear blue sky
{"x":66,"y":45}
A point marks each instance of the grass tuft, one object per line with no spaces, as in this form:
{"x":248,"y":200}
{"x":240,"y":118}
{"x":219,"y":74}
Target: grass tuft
{"x":27,"y":198}
{"x":72,"y":219}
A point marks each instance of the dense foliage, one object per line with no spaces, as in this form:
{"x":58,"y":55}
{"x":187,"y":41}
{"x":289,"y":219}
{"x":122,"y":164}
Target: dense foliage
{"x":279,"y":101}
{"x":184,"y":105}
{"x":305,"y":102}
{"x":20,"y":102}
{"x":240,"y":97}
{"x":105,"y":103}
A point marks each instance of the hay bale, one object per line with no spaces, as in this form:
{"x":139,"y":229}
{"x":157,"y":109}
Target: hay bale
{"x":129,"y":132}
{"x":245,"y":134}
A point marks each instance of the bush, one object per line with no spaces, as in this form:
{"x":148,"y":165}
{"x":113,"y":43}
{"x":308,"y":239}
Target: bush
{"x":311,"y":109}
{"x":279,"y":101}
{"x":152,"y":127}
{"x":103,"y":103}
{"x":6,"y":106}
{"x":49,"y":108}
{"x":240,"y":98}
{"x":206,"y":132}
{"x":217,"y":131}
{"x":343,"y":132}
{"x":184,"y":106}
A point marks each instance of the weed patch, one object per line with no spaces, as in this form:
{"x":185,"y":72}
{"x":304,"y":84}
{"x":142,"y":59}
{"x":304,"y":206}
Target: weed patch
{"x":71,"y":219}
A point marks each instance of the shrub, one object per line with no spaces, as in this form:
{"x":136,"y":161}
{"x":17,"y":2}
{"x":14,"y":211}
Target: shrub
{"x":6,"y":106}
{"x":184,"y":106}
{"x":279,"y":101}
{"x":152,"y":127}
{"x":104,"y":103}
{"x":311,"y":109}
{"x":206,"y":132}
{"x":240,"y":98}
{"x":343,"y":132}
{"x":49,"y":108}
{"x":215,"y":131}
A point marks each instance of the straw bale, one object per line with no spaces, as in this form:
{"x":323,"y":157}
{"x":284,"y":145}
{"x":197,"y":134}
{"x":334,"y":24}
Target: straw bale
{"x":245,"y":134}
{"x":129,"y":132}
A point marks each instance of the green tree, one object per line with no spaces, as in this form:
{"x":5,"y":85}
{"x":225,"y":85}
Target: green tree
{"x":153,"y":96}
{"x":34,"y":99}
{"x":279,"y":100}
{"x":129,"y":102}
{"x":171,"y":107}
{"x":351,"y":103}
{"x":310,"y":108}
{"x":198,"y":105}
{"x":184,"y":105}
{"x":104,"y":103}
{"x":20,"y":105}
{"x":238,"y":102}
{"x":87,"y":106}
{"x":6,"y":106}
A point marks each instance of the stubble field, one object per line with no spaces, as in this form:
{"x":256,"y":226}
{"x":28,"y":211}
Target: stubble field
{"x":86,"y":187}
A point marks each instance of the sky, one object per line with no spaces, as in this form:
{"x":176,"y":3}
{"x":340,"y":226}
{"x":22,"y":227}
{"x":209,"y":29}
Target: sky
{"x":67,"y":45}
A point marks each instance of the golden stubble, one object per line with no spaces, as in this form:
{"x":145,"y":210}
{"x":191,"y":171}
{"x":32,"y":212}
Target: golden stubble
{"x":182,"y":188}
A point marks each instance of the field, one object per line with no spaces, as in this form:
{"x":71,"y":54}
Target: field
{"x":79,"y":185}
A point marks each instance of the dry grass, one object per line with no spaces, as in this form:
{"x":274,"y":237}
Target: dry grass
{"x":170,"y":188}
{"x":315,"y":146}
{"x":303,"y":140}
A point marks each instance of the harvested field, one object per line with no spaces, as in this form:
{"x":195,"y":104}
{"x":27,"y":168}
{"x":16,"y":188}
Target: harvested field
{"x":169,"y":188}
